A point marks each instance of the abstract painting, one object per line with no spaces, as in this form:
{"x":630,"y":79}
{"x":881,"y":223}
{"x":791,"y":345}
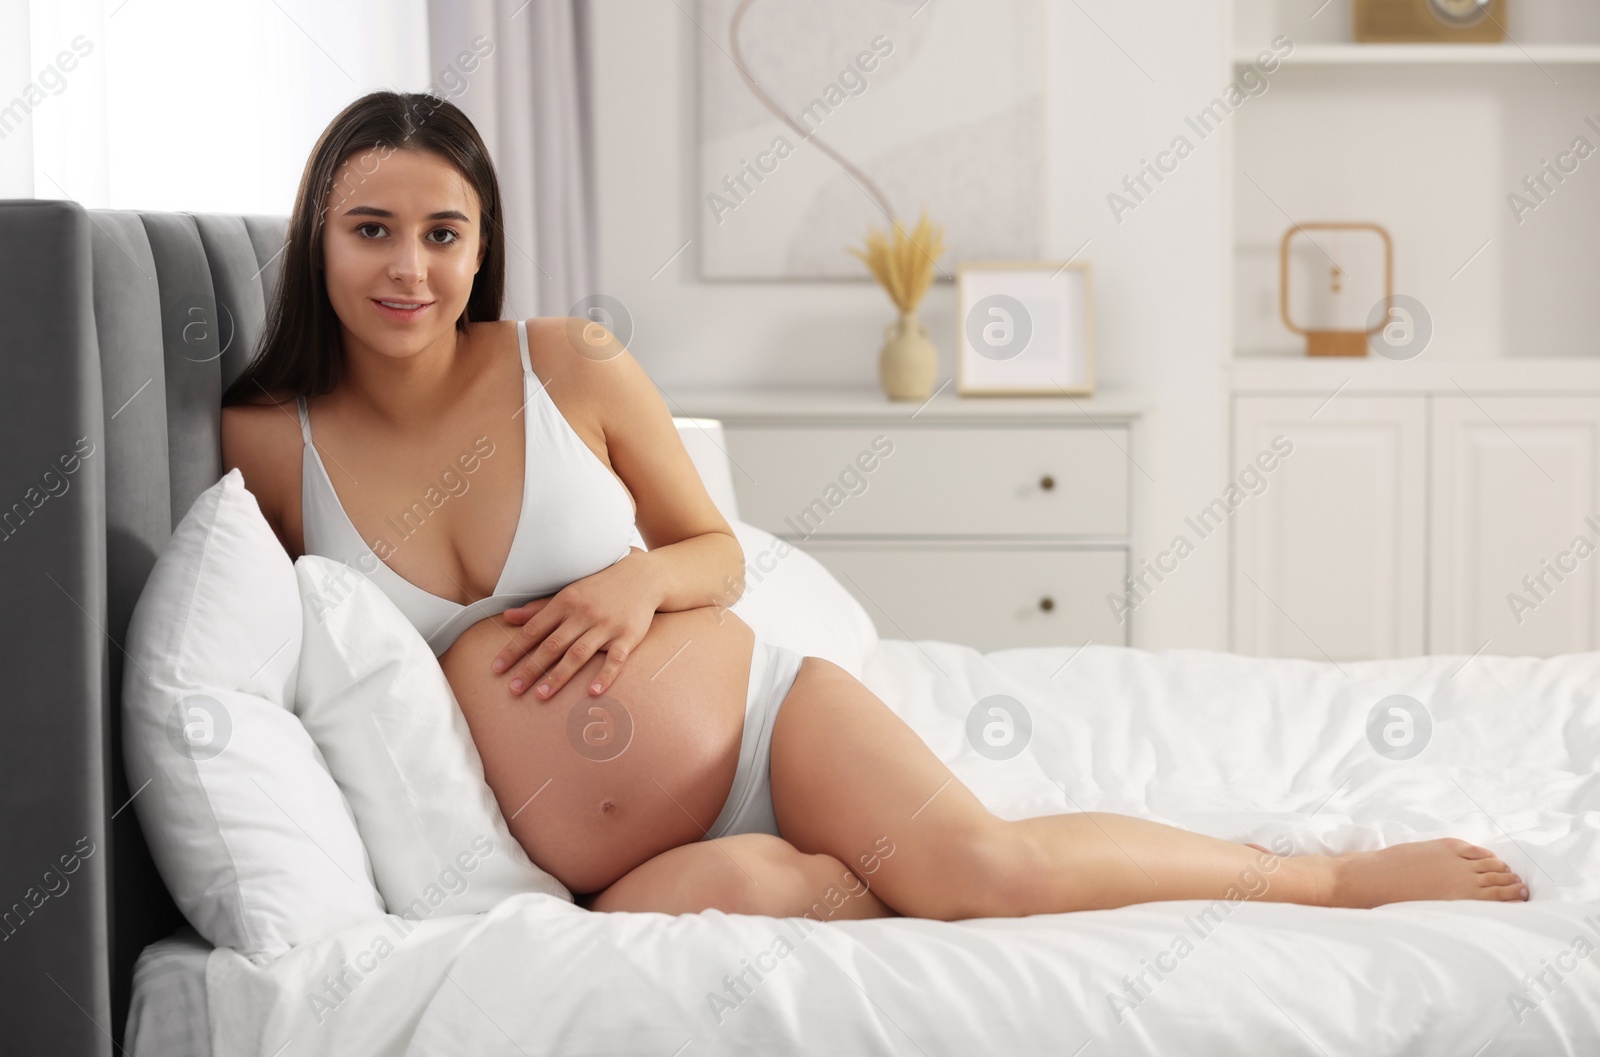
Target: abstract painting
{"x":818,"y":120}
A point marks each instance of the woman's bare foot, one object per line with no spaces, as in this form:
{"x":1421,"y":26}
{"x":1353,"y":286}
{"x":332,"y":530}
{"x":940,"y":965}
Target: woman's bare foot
{"x":1447,"y":868}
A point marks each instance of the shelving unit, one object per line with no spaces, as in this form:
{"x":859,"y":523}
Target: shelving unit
{"x":1420,"y":490}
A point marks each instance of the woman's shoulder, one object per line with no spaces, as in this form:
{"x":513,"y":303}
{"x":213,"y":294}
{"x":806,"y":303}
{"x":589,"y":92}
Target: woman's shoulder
{"x":260,"y":412}
{"x":550,"y":338}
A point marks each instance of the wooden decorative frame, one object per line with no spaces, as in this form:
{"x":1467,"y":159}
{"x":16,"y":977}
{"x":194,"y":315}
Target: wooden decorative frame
{"x":1335,"y":342}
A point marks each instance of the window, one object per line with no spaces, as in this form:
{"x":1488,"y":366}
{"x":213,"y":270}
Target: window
{"x":189,"y":105}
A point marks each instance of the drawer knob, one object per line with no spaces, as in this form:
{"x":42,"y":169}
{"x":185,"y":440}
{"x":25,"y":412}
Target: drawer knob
{"x":1047,"y":603}
{"x":1047,"y":482}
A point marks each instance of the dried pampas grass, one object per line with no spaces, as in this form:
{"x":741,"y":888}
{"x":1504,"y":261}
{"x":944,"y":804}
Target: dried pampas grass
{"x":904,"y":263}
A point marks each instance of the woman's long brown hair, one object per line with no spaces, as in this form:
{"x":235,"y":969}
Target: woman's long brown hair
{"x":302,"y":351}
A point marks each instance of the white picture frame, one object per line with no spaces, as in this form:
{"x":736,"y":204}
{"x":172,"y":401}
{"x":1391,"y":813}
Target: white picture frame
{"x":1025,"y":328}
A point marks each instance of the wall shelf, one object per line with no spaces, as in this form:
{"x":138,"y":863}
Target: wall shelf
{"x":1552,"y":375}
{"x":1433,"y":54}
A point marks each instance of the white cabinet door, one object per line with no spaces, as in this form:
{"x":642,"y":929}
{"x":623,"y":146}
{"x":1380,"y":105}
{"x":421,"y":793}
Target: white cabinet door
{"x":1328,"y":559}
{"x":1514,"y":525}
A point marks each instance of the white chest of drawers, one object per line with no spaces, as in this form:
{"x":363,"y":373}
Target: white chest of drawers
{"x":992,"y":522}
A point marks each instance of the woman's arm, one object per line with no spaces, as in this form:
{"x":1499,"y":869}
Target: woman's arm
{"x":694,"y":558}
{"x":256,"y":442}
{"x":682,"y":571}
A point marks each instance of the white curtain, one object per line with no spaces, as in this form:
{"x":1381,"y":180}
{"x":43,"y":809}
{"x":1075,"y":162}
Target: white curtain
{"x":208,"y":106}
{"x":529,"y":96}
{"x":189,"y":105}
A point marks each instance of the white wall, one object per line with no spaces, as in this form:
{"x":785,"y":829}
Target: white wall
{"x":1119,"y":92}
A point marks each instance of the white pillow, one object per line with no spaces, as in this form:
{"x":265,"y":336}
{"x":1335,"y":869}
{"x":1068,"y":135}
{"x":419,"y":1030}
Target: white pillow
{"x":375,"y":699}
{"x":792,"y":600}
{"x":247,"y":828}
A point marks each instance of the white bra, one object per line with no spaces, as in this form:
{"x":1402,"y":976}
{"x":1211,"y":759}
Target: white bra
{"x":576,"y":519}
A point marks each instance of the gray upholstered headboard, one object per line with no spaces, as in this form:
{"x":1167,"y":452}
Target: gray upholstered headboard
{"x":118,"y":333}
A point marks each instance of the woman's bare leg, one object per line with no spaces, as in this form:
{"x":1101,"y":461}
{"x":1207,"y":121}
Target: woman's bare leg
{"x":1119,"y":859}
{"x":853,"y":780}
{"x":747,"y":873}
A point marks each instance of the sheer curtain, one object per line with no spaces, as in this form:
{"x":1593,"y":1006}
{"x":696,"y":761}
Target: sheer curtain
{"x":196,"y":105}
{"x":207,"y":106}
{"x":530,"y":100}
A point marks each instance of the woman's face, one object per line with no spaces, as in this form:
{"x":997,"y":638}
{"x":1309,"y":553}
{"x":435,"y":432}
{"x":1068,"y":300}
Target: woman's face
{"x":401,"y":227}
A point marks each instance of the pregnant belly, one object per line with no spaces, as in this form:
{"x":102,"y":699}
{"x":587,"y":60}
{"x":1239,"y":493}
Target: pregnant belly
{"x":593,"y":785}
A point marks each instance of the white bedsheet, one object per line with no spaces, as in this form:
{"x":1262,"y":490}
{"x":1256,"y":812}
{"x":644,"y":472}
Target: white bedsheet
{"x":167,"y":1010}
{"x":1242,"y":748}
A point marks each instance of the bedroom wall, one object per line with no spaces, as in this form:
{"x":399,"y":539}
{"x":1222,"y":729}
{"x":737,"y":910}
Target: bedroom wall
{"x":1122,"y":79}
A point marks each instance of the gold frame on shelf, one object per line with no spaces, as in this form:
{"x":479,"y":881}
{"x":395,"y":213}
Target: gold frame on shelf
{"x":1083,"y":269}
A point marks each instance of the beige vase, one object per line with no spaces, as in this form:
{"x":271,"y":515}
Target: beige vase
{"x":908,"y":364}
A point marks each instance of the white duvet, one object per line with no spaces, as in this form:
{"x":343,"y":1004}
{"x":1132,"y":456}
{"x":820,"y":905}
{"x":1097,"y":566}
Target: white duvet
{"x":1241,"y":748}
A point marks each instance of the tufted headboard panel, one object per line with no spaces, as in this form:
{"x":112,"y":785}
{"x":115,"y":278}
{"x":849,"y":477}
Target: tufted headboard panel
{"x":118,"y":333}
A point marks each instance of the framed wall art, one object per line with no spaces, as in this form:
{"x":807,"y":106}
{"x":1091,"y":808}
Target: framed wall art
{"x":820,"y":119}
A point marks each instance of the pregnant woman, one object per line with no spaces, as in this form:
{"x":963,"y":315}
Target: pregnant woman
{"x":712,"y":769}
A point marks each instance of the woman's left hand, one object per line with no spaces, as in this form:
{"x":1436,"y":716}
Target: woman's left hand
{"x":610,"y":610}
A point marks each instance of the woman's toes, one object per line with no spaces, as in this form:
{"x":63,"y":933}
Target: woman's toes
{"x":1509,"y":893}
{"x":1491,"y":866}
{"x":1473,"y":851}
{"x":1498,"y":878}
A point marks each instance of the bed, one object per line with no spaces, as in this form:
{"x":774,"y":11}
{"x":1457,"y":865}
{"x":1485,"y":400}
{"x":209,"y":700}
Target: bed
{"x":123,"y":328}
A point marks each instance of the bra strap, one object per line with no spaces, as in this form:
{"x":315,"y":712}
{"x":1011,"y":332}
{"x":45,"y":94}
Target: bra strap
{"x":305,"y":420}
{"x":522,"y":342}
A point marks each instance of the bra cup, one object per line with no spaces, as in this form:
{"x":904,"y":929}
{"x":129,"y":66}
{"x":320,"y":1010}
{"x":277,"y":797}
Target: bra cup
{"x":548,"y":549}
